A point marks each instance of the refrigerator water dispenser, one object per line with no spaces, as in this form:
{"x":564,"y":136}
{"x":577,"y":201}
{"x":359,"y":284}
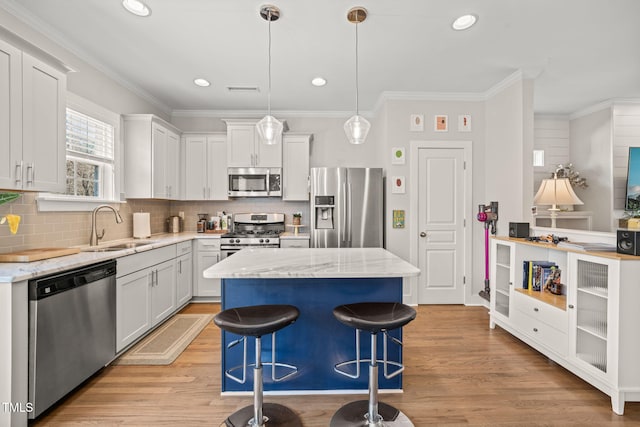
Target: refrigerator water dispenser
{"x":324,"y":212}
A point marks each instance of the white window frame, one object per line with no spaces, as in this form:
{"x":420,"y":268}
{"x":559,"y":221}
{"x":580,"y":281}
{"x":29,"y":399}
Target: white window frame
{"x":55,"y":202}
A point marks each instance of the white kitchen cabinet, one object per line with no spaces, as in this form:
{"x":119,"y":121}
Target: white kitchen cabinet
{"x":32,"y":122}
{"x":151,"y":157}
{"x":294,"y":242}
{"x":295,"y":166}
{"x":246,"y":150}
{"x":163,"y":291}
{"x":133,"y":317}
{"x":207,"y":254}
{"x":145,"y":293}
{"x":592,"y":330}
{"x":184,"y":274}
{"x":205,"y":167}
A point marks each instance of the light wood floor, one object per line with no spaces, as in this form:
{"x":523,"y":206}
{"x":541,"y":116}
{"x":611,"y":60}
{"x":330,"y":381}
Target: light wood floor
{"x":459,"y":372}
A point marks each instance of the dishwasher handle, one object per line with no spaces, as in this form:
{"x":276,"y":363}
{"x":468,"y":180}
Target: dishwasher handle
{"x":47,"y":286}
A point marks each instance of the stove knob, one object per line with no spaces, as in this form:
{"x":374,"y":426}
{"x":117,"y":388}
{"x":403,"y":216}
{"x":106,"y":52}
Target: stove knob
{"x":262,"y":240}
{"x":237,"y":240}
{"x":266,"y":240}
{"x":230,"y":240}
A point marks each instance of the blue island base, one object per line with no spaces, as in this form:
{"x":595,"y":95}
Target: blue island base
{"x":316,"y":341}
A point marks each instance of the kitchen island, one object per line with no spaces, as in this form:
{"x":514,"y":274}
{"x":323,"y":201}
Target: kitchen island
{"x":314,"y":280}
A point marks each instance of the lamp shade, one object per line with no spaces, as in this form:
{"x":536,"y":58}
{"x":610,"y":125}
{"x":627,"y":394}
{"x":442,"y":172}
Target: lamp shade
{"x":556,"y":191}
{"x":270,"y":130}
{"x":357,"y":128}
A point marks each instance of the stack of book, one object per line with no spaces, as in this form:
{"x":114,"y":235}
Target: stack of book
{"x":538,"y":275}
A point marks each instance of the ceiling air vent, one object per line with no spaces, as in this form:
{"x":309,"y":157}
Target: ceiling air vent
{"x":243,"y":88}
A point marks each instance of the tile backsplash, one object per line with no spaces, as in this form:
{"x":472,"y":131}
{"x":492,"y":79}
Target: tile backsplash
{"x":64,"y":229}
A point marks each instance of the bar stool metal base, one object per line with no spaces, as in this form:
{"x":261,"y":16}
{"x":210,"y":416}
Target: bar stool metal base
{"x":354,"y":415}
{"x":276,"y":416}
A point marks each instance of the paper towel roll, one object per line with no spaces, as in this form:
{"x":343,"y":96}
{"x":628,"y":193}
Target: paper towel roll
{"x":141,"y":225}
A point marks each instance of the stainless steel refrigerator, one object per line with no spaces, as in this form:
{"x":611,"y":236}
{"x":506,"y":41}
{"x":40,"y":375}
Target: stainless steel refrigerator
{"x":346,"y":208}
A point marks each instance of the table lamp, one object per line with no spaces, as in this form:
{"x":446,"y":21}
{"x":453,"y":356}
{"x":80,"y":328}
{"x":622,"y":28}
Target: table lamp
{"x":556,"y":191}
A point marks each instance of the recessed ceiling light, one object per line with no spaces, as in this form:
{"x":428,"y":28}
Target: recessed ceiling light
{"x":136,"y":7}
{"x":318,"y":81}
{"x":202,"y":82}
{"x":464,"y":22}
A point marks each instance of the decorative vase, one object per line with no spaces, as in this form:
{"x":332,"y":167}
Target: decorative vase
{"x":296,"y":220}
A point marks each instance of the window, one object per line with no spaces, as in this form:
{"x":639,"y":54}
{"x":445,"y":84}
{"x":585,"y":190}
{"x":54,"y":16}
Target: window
{"x":93,"y":162}
{"x":90,"y":156}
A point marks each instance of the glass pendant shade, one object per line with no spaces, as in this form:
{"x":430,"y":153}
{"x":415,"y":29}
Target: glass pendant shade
{"x":357,"y":128}
{"x":270,"y":130}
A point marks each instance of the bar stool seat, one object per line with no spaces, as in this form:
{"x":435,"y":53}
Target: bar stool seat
{"x":256,"y":321}
{"x":373,"y":317}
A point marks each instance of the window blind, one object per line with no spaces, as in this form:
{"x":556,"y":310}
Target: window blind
{"x":89,"y":137}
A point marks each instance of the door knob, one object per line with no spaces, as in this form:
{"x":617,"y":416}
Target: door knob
{"x":423,"y":234}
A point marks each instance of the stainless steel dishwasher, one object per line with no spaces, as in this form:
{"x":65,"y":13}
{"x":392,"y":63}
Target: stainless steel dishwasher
{"x":72,"y":330}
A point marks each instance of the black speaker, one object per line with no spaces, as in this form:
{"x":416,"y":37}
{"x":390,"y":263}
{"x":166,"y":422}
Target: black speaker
{"x":518,"y":229}
{"x":628,"y":242}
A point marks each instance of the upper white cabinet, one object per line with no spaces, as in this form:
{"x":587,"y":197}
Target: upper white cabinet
{"x":205,"y":167}
{"x":32,"y":122}
{"x":151,"y":157}
{"x":246,"y":150}
{"x":295,"y":166}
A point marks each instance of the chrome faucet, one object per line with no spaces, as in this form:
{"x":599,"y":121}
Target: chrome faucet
{"x":95,"y":237}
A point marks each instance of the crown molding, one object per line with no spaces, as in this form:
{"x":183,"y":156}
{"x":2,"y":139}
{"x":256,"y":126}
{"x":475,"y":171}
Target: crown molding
{"x":258,"y":114}
{"x":592,"y":109}
{"x":514,"y":77}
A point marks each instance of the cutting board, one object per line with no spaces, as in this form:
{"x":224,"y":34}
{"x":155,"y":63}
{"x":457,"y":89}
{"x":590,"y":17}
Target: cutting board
{"x":30,"y":255}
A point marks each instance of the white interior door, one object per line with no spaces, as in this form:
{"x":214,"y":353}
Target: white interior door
{"x":441,"y":222}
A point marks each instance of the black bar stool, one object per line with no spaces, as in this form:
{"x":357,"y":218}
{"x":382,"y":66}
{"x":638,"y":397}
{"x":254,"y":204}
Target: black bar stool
{"x":373,"y":317}
{"x":257,"y":321}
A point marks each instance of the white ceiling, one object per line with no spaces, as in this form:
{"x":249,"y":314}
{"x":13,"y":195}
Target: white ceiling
{"x":581,"y":52}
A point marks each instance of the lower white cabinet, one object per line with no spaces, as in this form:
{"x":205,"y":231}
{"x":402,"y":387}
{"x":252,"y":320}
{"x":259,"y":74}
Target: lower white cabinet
{"x":591,"y":329}
{"x":207,"y":254}
{"x":184,"y":274}
{"x":294,"y":243}
{"x":145,"y":292}
{"x":163,"y":291}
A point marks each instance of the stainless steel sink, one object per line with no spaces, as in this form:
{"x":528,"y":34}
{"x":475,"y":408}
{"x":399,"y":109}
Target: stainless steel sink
{"x":119,"y":246}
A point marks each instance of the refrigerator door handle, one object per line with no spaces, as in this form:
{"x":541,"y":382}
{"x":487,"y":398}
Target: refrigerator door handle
{"x":349,"y":221}
{"x":343,"y":214}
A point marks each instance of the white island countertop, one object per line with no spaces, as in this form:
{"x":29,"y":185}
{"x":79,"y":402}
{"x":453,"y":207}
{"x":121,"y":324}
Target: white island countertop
{"x":265,"y":263}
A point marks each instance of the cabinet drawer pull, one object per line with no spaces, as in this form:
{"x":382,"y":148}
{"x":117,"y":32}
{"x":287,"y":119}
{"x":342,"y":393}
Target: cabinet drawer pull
{"x":18,"y":172}
{"x":535,"y":329}
{"x":571,"y":306}
{"x":536,"y":309}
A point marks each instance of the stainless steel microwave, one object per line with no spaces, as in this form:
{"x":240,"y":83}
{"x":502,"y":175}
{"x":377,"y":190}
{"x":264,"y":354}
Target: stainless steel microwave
{"x":255,"y":182}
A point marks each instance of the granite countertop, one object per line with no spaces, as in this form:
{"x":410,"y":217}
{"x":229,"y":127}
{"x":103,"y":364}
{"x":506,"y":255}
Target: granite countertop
{"x":311,"y":263}
{"x":18,"y":271}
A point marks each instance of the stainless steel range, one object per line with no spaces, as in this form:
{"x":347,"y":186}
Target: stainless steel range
{"x":252,"y":230}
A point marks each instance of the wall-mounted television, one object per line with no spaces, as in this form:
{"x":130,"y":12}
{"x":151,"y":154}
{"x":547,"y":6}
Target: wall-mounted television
{"x":633,"y":180}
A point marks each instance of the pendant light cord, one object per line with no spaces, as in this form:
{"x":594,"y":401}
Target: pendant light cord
{"x":269,"y":93}
{"x":357,"y":23}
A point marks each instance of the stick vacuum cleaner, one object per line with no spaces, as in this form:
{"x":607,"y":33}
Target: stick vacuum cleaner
{"x":489,"y":215}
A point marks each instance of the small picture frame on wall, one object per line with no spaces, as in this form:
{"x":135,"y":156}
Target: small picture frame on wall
{"x":417,"y":123}
{"x":397,"y":185}
{"x":441,"y":123}
{"x":398,"y":218}
{"x":398,"y":157}
{"x":464,"y":123}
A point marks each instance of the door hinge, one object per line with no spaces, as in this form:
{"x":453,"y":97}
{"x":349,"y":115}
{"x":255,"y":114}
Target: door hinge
{"x":464,"y":222}
{"x":464,"y":165}
{"x":464,"y":280}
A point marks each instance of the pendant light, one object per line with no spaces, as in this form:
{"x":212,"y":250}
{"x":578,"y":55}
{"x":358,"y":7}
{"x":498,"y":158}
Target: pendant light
{"x":357,"y":127}
{"x":270,"y":128}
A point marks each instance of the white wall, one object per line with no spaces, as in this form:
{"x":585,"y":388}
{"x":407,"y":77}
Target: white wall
{"x":626,"y":133}
{"x":551,"y":134}
{"x":591,"y":155}
{"x":508,"y":154}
